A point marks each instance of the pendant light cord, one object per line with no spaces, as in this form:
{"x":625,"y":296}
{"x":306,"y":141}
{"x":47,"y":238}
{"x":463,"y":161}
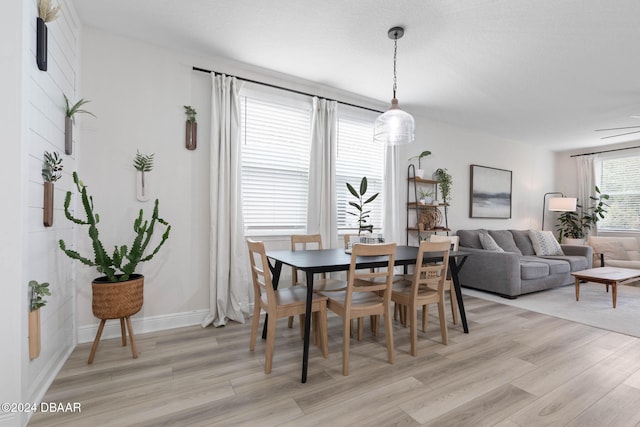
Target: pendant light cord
{"x":395,"y":57}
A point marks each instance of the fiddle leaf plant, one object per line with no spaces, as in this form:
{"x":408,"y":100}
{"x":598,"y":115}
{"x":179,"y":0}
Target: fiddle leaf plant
{"x":362,"y":214}
{"x":119,"y":266}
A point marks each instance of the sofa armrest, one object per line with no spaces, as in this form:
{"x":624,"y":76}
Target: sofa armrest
{"x":497,"y":272}
{"x":580,"y":250}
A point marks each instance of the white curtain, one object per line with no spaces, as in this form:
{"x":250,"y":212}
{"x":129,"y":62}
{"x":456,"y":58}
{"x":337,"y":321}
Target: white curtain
{"x":228,"y":261}
{"x":394,"y":221}
{"x":321,"y":206}
{"x":585,"y":166}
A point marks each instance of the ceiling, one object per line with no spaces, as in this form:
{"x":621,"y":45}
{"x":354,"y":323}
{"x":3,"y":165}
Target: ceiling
{"x":543,"y":72}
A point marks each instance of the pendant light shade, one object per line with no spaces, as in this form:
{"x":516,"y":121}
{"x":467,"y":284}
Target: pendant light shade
{"x":395,"y":126}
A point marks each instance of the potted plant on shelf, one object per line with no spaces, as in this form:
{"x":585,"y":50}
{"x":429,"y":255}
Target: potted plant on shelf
{"x":51,"y":172}
{"x":142,"y":163}
{"x":37,"y":301}
{"x":426,"y":197}
{"x":118,"y":293}
{"x":191,"y":128}
{"x":46,"y":13}
{"x":420,"y":171}
{"x":70,"y":113}
{"x":445,"y":181}
{"x":577,"y":225}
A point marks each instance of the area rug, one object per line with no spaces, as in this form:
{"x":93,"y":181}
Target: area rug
{"x":594,"y":308}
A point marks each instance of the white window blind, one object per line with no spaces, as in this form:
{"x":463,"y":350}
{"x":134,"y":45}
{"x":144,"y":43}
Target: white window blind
{"x":358,"y":156}
{"x":620,"y":179}
{"x":275,"y":164}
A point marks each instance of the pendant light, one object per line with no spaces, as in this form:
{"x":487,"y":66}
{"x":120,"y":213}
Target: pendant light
{"x":395,"y":126}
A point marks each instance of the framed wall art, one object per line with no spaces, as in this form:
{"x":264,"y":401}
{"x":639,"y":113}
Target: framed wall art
{"x":490,"y":192}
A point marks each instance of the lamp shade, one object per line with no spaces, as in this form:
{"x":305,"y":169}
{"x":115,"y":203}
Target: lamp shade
{"x":394,"y":127}
{"x":562,"y":204}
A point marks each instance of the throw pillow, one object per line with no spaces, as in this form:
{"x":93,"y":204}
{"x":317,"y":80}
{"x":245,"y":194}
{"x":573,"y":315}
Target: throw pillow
{"x":504,"y":239}
{"x":611,"y":250}
{"x":545,"y":243}
{"x":488,"y":243}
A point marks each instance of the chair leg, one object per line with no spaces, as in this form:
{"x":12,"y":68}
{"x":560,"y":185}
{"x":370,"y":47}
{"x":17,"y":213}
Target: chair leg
{"x":454,"y":304}
{"x":443,"y":321}
{"x":425,"y":317}
{"x":374,"y":324}
{"x":414,"y":328}
{"x":360,"y":329}
{"x":271,"y":341}
{"x":96,"y":341}
{"x":290,"y":325}
{"x":324,"y":338}
{"x":254,"y":326}
{"x":388,"y":333}
{"x":345,"y":347}
{"x":134,"y":351}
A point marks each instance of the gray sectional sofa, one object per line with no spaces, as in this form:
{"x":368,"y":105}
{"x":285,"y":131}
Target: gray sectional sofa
{"x":517,"y":270}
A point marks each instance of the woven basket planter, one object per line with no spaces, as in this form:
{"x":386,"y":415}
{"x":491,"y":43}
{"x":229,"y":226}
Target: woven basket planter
{"x":119,"y":299}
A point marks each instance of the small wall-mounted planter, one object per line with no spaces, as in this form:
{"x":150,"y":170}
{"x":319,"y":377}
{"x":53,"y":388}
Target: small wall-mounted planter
{"x":68,"y":135}
{"x":142,"y":186}
{"x":191,"y":135}
{"x":47,"y":216}
{"x":41,"y":44}
{"x":34,"y":334}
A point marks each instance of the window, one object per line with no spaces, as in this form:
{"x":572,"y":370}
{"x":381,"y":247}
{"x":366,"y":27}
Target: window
{"x":358,"y":156}
{"x":275,"y":162}
{"x":620,"y":179}
{"x":276,"y":142}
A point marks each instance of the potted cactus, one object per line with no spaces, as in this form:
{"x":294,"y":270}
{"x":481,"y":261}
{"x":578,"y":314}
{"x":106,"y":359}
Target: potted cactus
{"x":118,"y":293}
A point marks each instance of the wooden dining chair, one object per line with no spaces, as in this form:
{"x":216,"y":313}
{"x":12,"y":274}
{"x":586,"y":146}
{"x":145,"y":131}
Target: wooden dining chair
{"x":419,"y":291}
{"x":368,"y":293}
{"x":448,"y":284}
{"x":279,"y":303}
{"x":311,"y":242}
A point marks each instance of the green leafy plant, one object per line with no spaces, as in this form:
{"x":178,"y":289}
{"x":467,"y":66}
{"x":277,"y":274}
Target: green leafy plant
{"x":119,"y":266}
{"x":143,"y":163}
{"x":191,"y":113}
{"x":362,"y":214}
{"x":578,"y":224}
{"x":51,"y":167}
{"x":46,"y":11}
{"x":423,"y":194}
{"x":38,"y":292}
{"x":71,"y":110}
{"x":420,"y":156}
{"x":444,"y":182}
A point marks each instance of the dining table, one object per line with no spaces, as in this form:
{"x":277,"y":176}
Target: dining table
{"x":332,"y":260}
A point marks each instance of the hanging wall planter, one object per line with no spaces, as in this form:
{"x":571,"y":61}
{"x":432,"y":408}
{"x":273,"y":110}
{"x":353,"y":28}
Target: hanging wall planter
{"x":38,"y":291}
{"x":51,"y":172}
{"x":70,"y":113}
{"x":143,"y":163}
{"x":191,"y":128}
{"x":41,"y":44}
{"x":46,"y":13}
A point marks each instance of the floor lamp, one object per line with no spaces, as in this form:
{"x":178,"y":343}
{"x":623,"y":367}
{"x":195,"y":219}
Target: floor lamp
{"x":558,"y":204}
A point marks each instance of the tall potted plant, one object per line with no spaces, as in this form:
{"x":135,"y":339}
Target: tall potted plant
{"x":577,"y":225}
{"x":118,"y":293}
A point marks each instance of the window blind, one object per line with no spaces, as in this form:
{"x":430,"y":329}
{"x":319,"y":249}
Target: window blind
{"x":620,"y":179}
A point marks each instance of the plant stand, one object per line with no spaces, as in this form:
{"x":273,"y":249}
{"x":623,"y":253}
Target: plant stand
{"x":119,"y":300}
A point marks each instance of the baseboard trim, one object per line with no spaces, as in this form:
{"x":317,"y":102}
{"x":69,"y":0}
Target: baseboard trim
{"x":87,"y":333}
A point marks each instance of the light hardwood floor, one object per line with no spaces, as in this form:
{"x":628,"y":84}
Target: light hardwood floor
{"x":515,"y":368}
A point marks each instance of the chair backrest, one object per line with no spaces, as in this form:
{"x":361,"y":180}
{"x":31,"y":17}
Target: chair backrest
{"x":371,"y":280}
{"x":428,"y":273}
{"x":455,"y":240}
{"x":304,"y":242}
{"x":260,"y":271}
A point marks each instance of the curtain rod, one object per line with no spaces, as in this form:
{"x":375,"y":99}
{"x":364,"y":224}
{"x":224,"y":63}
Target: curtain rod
{"x":605,"y":151}
{"x":288,"y":89}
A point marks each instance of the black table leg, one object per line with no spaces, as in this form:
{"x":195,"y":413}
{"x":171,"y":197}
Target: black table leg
{"x":456,"y":283}
{"x":275,"y":273}
{"x":307,"y":326}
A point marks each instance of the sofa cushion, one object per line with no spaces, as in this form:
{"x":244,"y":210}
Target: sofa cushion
{"x":610,"y":250}
{"x":504,"y":239}
{"x":544,"y":243}
{"x":575,"y":262}
{"x":470,"y":239}
{"x":523,"y":242}
{"x":488,"y":243}
{"x":533,"y":269}
{"x":634,"y":255}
